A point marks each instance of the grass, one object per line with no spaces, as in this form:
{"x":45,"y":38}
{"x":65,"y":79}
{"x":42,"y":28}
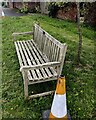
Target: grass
{"x":80,"y":81}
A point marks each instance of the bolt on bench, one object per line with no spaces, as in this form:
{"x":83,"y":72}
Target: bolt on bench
{"x":41,"y":58}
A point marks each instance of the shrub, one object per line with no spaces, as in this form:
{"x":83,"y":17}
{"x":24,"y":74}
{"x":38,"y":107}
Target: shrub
{"x":53,"y":9}
{"x":34,"y":10}
{"x":24,"y":9}
{"x":55,"y":6}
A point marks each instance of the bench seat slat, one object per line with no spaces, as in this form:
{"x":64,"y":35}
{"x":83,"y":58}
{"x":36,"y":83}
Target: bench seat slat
{"x":27,"y":61}
{"x":38,"y":74}
{"x":24,"y":60}
{"x":32,"y":52}
{"x":18,"y":54}
{"x":32,"y":59}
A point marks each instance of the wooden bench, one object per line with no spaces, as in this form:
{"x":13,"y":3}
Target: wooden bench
{"x":41,"y":58}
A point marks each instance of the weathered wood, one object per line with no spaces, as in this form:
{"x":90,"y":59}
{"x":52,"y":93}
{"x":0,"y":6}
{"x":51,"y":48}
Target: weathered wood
{"x":48,"y":36}
{"x":25,"y":84}
{"x":52,"y":54}
{"x":38,"y":60}
{"x":22,"y":33}
{"x":41,"y":59}
{"x":26,"y":59}
{"x":41,"y":94}
{"x":19,"y":56}
{"x":62,"y":56}
{"x":30,"y":58}
{"x":36,"y":55}
{"x":43,"y":80}
{"x":45,"y":65}
{"x":44,"y":59}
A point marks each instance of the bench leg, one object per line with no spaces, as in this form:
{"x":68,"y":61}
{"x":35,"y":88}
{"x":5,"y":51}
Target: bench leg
{"x":25,"y":85}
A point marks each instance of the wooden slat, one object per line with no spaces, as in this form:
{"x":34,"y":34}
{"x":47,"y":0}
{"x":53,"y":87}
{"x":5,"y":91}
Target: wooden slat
{"x":43,"y":61}
{"x":45,"y":65}
{"x":40,"y":94}
{"x":26,"y":62}
{"x":40,"y":57}
{"x":40,"y":40}
{"x":22,"y":33}
{"x":62,"y":56}
{"x":21,"y":52}
{"x":23,"y":58}
{"x":43,"y":80}
{"x":45,"y":43}
{"x":37,"y":36}
{"x":33,"y":29}
{"x":57,"y":54}
{"x":53,"y":52}
{"x":48,"y":51}
{"x":18,"y":54}
{"x":30,"y":63}
{"x":47,"y":48}
{"x":36,"y":58}
{"x":31,"y":53}
{"x":34,"y":33}
{"x":49,"y":36}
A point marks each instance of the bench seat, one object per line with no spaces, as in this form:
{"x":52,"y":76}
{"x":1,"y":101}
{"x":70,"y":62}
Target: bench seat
{"x":28,"y":55}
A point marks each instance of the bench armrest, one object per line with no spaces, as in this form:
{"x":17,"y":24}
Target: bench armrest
{"x":45,"y":65}
{"x":22,"y":33}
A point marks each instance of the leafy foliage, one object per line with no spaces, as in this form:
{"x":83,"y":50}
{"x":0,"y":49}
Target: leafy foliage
{"x":90,"y":14}
{"x":24,"y":8}
{"x":55,"y":6}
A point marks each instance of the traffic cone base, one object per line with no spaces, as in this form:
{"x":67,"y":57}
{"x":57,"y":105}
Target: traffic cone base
{"x":54,"y":118}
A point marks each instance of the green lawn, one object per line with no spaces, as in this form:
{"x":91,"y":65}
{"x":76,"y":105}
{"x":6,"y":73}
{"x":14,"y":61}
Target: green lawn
{"x":80,"y":81}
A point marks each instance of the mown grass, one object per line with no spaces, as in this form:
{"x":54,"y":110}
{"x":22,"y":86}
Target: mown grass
{"x":80,"y":80}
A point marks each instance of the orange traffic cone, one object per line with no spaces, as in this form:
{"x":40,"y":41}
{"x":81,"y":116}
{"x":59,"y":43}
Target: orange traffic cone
{"x":59,"y":108}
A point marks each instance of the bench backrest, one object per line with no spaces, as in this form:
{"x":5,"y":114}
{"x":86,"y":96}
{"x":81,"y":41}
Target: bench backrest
{"x":52,"y":48}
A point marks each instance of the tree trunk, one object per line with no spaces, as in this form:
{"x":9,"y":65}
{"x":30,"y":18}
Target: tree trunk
{"x":79,"y":33}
